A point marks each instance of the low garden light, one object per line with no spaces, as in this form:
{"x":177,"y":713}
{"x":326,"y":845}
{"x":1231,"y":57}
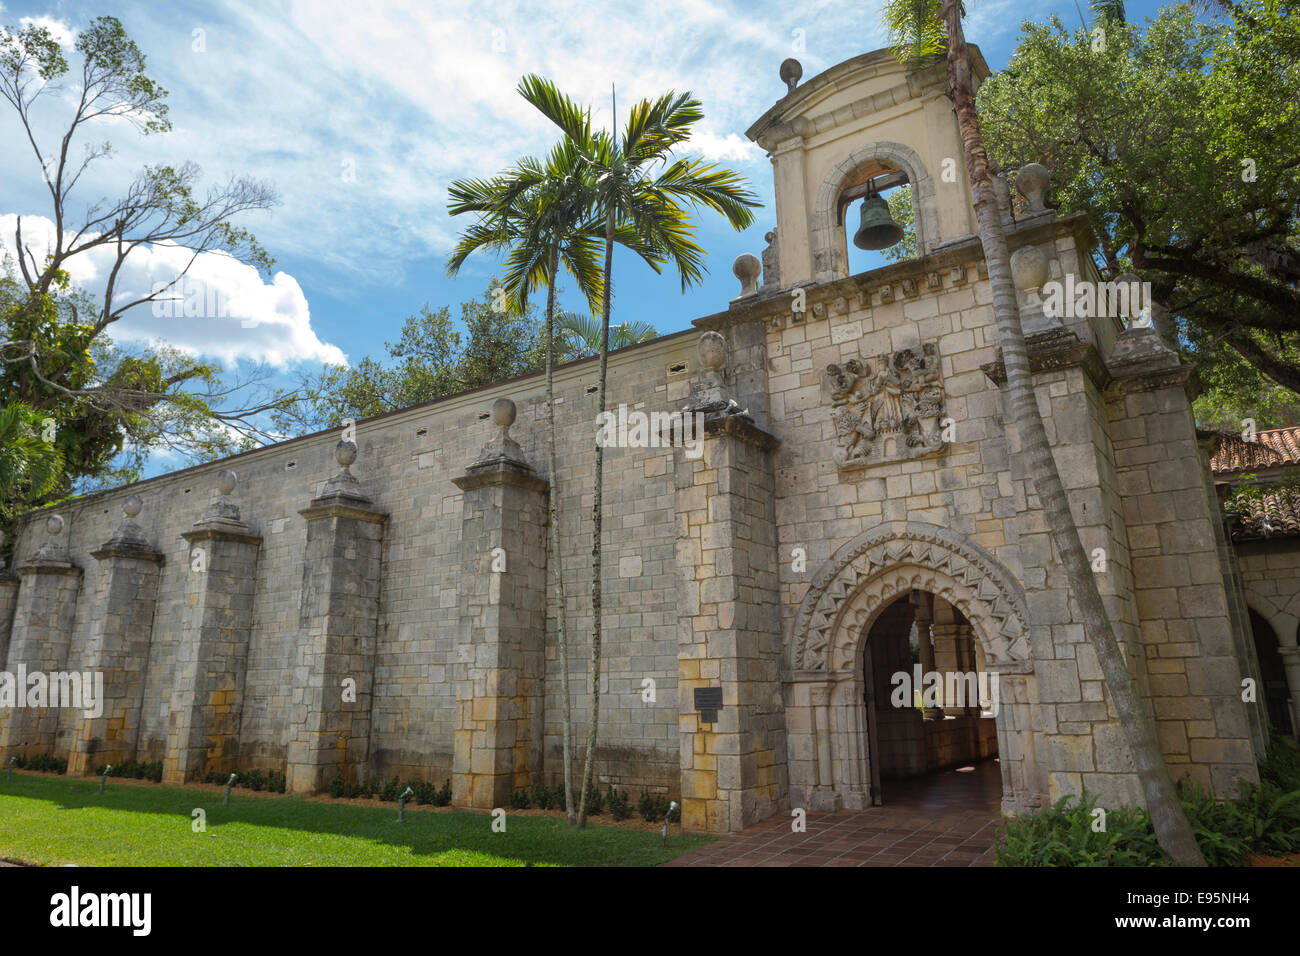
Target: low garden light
{"x":401,"y":804}
{"x":103,"y":777}
{"x":672,"y":805}
{"x":229,"y":783}
{"x":9,"y":771}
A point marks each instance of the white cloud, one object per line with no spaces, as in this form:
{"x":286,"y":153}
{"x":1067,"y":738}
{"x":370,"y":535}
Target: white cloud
{"x":222,"y":308}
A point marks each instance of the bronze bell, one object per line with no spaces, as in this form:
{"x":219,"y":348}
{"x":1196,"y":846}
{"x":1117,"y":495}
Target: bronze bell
{"x":877,"y":229}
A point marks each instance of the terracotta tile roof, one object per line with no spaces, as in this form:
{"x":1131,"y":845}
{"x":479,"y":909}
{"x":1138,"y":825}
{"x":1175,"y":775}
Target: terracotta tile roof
{"x":1271,"y":448}
{"x":1275,"y":515}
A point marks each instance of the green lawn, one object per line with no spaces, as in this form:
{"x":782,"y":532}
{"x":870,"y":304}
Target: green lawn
{"x":57,"y":820}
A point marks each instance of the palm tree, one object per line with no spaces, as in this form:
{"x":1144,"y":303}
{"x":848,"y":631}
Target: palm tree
{"x":581,"y":334}
{"x":542,"y":216}
{"x":639,"y":186}
{"x":923,"y":30}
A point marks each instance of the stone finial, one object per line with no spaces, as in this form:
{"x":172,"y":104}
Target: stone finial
{"x":708,"y":394}
{"x":791,"y":73}
{"x":1032,"y":182}
{"x":344,"y":484}
{"x":504,"y":414}
{"x":52,"y":551}
{"x":1029,"y":270}
{"x":746,"y":268}
{"x":223,"y":509}
{"x":503,"y":447}
{"x":712,"y":353}
{"x":129,"y":536}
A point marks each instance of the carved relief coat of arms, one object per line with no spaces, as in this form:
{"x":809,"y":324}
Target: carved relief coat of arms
{"x":887,"y":408}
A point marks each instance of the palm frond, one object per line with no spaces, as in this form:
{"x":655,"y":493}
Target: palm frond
{"x":573,"y":120}
{"x":915,"y":31}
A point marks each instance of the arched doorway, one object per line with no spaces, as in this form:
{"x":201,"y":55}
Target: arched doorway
{"x":931,"y":708}
{"x":1272,"y":673}
{"x":831,"y":746}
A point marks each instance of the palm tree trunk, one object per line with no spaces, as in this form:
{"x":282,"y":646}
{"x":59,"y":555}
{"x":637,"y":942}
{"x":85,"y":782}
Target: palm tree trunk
{"x":1169,"y":820}
{"x":589,"y":767}
{"x":553,"y":532}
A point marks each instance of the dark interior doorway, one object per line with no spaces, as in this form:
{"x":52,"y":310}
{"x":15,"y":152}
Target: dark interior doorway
{"x":926,"y":732}
{"x":1273,"y":675}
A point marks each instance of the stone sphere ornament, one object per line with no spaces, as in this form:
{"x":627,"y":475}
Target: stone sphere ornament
{"x":791,"y":72}
{"x":712,"y":351}
{"x":226,"y":481}
{"x":1029,"y":268}
{"x":504,"y":413}
{"x":345,"y":453}
{"x":131,"y":507}
{"x":1032,"y":182}
{"x":54,"y":525}
{"x":747,"y":268}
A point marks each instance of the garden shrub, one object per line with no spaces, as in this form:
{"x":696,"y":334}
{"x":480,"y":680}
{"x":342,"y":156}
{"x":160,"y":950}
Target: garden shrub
{"x":391,"y":790}
{"x":42,"y":763}
{"x":619,"y":807}
{"x":519,"y":800}
{"x":1281,"y":764}
{"x":1064,"y":836}
{"x":653,"y":808}
{"x":425,"y":793}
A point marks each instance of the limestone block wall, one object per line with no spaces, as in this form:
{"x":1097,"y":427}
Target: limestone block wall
{"x":1192,"y":656}
{"x":406,"y":462}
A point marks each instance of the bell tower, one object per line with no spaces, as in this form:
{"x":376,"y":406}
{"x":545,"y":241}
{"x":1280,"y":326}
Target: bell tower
{"x":867,"y":124}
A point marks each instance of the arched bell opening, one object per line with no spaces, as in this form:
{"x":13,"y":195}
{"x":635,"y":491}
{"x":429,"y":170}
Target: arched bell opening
{"x":890,"y":170}
{"x":874,"y":212}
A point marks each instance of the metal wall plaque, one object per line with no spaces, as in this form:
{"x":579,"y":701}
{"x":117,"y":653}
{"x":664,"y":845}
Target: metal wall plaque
{"x":708,"y":698}
{"x":708,"y":701}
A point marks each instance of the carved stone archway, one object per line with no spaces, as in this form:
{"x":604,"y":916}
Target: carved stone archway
{"x":825,"y":712}
{"x":829,"y":247}
{"x":871,"y":570}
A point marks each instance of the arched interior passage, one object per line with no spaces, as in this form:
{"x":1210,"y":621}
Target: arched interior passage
{"x":1273,"y":674}
{"x":931,"y":703}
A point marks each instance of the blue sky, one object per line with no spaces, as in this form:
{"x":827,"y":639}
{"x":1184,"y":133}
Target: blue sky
{"x":360,"y":114}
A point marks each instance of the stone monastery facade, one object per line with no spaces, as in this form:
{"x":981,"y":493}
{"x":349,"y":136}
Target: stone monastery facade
{"x":855,"y":508}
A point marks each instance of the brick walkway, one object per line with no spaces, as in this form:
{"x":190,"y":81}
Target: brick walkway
{"x":943,"y":819}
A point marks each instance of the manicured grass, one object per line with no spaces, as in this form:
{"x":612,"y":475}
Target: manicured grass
{"x":57,"y":820}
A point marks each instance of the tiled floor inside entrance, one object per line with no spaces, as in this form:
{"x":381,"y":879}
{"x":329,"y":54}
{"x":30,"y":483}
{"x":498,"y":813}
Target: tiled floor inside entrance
{"x":948,"y":818}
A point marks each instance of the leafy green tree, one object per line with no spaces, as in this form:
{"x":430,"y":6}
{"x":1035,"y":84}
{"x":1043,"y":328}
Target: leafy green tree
{"x":111,"y":405}
{"x":30,"y":465}
{"x":922,"y":31}
{"x":429,"y":360}
{"x":640,"y":187}
{"x":1180,"y":140}
{"x":900,"y":210}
